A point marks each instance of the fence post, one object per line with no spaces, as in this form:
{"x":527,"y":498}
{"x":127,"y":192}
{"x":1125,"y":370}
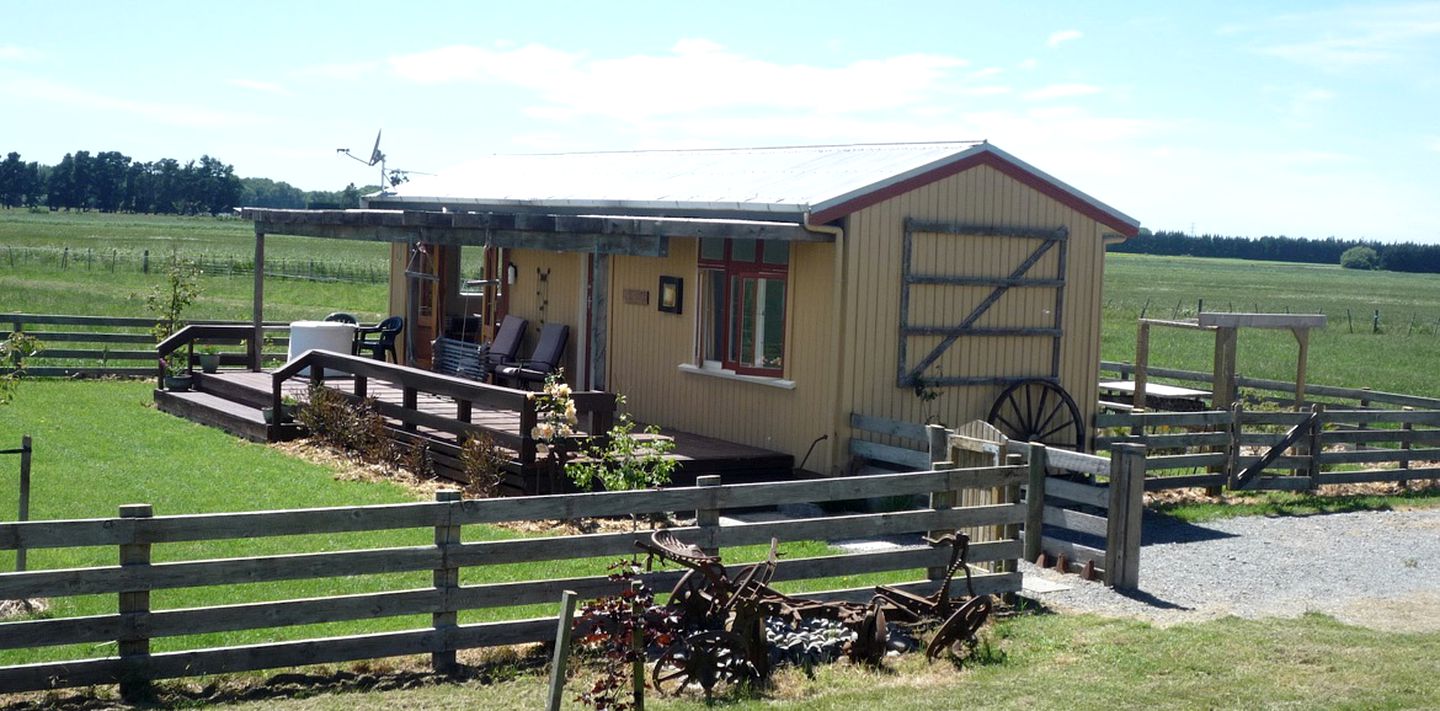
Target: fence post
{"x":1408,"y":428}
{"x":1035,"y":501}
{"x":1364,"y":405}
{"x":707,"y":517}
{"x":23,"y":512}
{"x":1237,"y":430}
{"x":145,"y":262}
{"x":446,"y":579}
{"x":563,"y":627}
{"x":134,"y":603}
{"x":1312,"y":446}
{"x":637,"y":647}
{"x":1127,"y":502}
{"x":939,"y":445}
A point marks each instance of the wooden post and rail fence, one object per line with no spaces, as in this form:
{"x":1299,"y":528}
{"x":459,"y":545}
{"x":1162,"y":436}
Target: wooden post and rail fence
{"x":1081,"y":524}
{"x":136,"y":623}
{"x":22,"y":509}
{"x":124,"y":346}
{"x":1250,"y":449}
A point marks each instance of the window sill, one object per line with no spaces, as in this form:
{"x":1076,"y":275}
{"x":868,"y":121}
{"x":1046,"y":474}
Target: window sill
{"x":781,"y":383}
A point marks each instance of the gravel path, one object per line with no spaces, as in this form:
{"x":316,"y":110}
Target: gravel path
{"x":1379,"y":569}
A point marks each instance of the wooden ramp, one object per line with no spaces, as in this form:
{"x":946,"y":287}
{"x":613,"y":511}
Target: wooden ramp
{"x":232,"y":401}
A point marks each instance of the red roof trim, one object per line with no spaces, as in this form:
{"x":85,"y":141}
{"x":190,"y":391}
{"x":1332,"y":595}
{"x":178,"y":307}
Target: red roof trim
{"x":1059,"y":194}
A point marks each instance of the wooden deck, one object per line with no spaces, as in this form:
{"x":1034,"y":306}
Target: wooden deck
{"x":232,"y":400}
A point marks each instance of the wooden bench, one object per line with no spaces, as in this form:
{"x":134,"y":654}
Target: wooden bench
{"x":452,"y":356}
{"x":1159,"y":396}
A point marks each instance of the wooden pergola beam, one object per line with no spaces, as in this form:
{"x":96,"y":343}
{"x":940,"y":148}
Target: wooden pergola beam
{"x":575,"y":232}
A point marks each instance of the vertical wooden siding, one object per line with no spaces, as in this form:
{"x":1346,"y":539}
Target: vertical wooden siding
{"x":981,"y":196}
{"x":647,"y":346}
{"x":562,"y":297}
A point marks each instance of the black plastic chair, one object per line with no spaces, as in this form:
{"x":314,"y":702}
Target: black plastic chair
{"x":385,"y":334}
{"x":543,"y":361}
{"x":342,"y":317}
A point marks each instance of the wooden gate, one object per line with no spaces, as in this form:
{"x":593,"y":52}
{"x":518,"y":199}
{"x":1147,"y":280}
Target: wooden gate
{"x":926,"y":307}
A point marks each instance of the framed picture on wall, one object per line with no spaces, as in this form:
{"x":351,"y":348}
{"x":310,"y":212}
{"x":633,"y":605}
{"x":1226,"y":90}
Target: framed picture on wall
{"x":672,"y":290}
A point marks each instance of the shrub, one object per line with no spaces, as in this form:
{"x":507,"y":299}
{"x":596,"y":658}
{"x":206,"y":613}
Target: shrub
{"x":1360,"y":257}
{"x":482,"y":464}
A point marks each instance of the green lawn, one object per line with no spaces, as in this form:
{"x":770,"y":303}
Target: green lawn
{"x":1050,"y":662}
{"x":101,"y":444}
{"x":1400,"y":358}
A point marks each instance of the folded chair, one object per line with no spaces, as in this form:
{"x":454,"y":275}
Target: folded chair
{"x":542,"y":362}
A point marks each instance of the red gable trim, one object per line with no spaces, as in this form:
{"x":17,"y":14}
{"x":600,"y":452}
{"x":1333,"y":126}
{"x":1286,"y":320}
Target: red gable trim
{"x":1040,"y":184}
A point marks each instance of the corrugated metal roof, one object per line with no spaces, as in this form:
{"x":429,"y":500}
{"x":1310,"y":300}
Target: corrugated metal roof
{"x":773,"y":183}
{"x":761,"y":179}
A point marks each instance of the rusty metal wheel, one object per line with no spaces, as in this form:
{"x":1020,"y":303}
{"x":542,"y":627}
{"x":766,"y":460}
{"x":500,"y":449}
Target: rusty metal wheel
{"x":960,"y":628}
{"x":704,"y":659}
{"x":1039,"y":411}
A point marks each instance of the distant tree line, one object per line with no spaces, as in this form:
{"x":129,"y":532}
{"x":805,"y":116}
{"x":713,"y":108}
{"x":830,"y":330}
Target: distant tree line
{"x":110,"y":181}
{"x":1396,"y":257}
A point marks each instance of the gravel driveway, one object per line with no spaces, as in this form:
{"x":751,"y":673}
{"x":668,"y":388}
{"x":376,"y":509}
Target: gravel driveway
{"x":1379,"y":569}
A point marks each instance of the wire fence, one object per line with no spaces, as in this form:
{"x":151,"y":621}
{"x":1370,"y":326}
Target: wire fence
{"x":131,"y":260}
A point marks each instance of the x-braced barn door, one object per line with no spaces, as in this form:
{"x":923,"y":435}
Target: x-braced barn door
{"x":954,"y":280}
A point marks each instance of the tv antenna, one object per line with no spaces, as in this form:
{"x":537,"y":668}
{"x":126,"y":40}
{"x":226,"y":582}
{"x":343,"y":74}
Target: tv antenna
{"x":388,"y":178}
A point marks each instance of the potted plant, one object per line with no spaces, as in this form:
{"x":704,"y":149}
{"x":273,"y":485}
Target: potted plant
{"x":177,"y":374}
{"x":209,"y":358}
{"x":287,"y":411}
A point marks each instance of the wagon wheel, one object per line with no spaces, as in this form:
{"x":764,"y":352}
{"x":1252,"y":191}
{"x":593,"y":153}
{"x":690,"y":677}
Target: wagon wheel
{"x":960,"y":628}
{"x":694,"y":595}
{"x":706,"y":659}
{"x":1039,"y":411}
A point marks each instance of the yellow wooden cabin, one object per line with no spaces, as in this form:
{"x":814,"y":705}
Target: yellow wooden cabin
{"x":764,"y":296}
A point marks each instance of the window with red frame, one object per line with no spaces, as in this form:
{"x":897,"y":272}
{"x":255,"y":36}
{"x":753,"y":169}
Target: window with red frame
{"x":742,"y":304}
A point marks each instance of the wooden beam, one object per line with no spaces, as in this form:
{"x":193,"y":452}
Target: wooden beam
{"x":1249,"y":320}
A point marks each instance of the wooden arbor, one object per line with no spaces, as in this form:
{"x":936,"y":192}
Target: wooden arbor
{"x":1226,"y":327}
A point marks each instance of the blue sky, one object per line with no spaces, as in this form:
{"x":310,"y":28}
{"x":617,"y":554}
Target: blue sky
{"x":1249,"y":118}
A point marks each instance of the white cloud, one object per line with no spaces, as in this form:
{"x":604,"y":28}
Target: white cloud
{"x":10,"y":52}
{"x":986,"y":72}
{"x":1030,"y":63}
{"x":1432,"y":143}
{"x":339,"y":71}
{"x":1062,"y":91}
{"x":260,"y":86}
{"x":695,"y":76}
{"x":1357,"y":36}
{"x":1058,"y":38}
{"x":164,"y":113}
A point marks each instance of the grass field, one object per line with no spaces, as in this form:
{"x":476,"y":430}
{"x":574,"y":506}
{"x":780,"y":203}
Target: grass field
{"x":1400,"y":358}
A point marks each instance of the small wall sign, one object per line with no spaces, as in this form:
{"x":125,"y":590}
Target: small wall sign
{"x":637,"y":297}
{"x":672,"y":290}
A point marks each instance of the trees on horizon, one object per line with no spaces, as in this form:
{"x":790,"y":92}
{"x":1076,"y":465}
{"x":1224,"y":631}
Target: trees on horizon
{"x":110,"y":181}
{"x":1389,"y":256}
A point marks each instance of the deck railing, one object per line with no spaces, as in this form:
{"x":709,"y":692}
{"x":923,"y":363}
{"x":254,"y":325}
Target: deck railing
{"x":218,"y":335}
{"x":136,"y":530}
{"x":596,"y":410}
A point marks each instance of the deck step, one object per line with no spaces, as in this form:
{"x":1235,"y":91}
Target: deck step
{"x":236,"y":418}
{"x":232,"y":390}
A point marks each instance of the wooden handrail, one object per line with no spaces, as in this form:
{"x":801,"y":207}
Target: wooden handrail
{"x":186,"y":337}
{"x":600,"y":406}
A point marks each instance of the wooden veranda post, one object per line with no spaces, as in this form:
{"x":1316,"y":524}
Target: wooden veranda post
{"x":1127,"y":503}
{"x":1222,"y":390}
{"x":257,"y":314}
{"x":133,"y":644}
{"x":447,"y":581}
